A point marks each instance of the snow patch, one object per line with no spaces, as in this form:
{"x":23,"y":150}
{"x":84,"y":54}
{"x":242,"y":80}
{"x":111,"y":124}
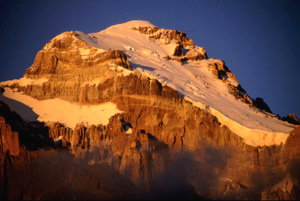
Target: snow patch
{"x":99,"y":51}
{"x":84,"y":51}
{"x":251,"y":136}
{"x":58,"y":110}
{"x":25,"y":81}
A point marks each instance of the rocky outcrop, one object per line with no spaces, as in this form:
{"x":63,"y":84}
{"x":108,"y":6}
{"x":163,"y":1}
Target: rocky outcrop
{"x":9,"y":135}
{"x":240,"y":94}
{"x":167,"y":36}
{"x":221,"y":71}
{"x":138,"y":156}
{"x":260,"y":103}
{"x":281,"y":195}
{"x":9,"y":139}
{"x":292,"y":118}
{"x":75,"y":71}
{"x":185,"y":49}
{"x":286,"y":189}
{"x":67,"y":54}
{"x":291,"y":148}
{"x":55,"y":62}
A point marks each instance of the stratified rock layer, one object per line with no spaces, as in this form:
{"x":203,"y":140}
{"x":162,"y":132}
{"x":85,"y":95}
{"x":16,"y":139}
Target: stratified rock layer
{"x":67,"y":54}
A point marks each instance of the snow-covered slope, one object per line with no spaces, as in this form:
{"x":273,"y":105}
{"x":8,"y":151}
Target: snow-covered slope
{"x":192,"y":79}
{"x":57,"y":110}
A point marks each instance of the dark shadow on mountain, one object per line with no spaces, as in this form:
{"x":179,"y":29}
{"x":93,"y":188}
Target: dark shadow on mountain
{"x":20,"y":108}
{"x":133,"y":65}
{"x":190,"y":175}
{"x":58,"y":175}
{"x":181,"y":94}
{"x":34,"y":135}
{"x":185,"y":62}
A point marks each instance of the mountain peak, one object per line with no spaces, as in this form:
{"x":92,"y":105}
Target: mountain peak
{"x":130,"y":24}
{"x":167,"y":56}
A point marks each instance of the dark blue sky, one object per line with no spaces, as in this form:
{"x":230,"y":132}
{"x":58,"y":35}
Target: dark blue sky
{"x":258,"y":40}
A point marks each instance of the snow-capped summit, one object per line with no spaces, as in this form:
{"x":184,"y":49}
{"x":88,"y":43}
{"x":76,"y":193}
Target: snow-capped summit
{"x":129,"y":24}
{"x":168,"y":56}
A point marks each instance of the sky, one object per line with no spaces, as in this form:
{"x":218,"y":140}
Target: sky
{"x":259,"y":40}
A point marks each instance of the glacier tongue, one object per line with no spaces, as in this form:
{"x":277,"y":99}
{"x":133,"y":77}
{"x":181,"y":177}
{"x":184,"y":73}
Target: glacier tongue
{"x":193,"y":80}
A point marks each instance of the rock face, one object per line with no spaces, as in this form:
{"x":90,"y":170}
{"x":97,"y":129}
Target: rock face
{"x":9,"y":135}
{"x":292,"y":118}
{"x":67,"y":54}
{"x":76,"y":72}
{"x":185,"y":49}
{"x":259,"y":103}
{"x":286,"y":189}
{"x":9,"y":139}
{"x":71,"y":67}
{"x":291,"y":147}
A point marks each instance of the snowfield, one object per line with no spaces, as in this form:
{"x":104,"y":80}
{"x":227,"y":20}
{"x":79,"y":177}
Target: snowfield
{"x":192,"y":80}
{"x":58,"y":110}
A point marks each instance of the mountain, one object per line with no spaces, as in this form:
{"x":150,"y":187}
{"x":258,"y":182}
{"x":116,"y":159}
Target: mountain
{"x":148,"y":109}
